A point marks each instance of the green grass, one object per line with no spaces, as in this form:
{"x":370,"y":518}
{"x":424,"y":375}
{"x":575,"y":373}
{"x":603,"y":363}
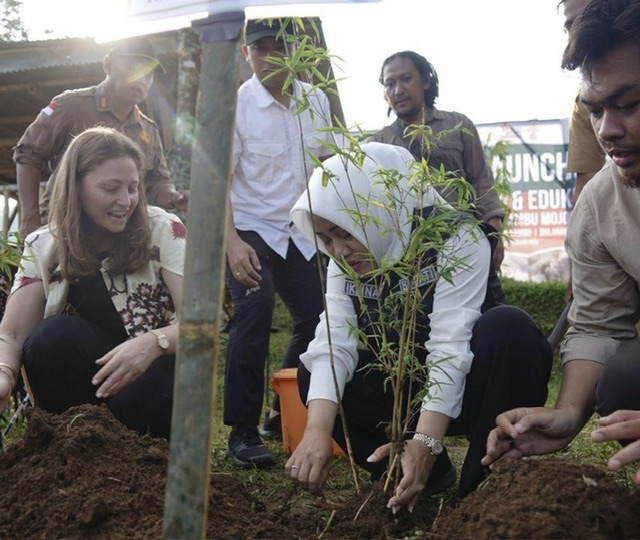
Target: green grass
{"x":581,"y":450}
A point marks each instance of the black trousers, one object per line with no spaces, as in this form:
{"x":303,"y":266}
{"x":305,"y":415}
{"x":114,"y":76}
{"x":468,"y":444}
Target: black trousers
{"x":297,"y":281}
{"x":511,"y":368}
{"x":59,"y":358}
{"x":619,"y":383}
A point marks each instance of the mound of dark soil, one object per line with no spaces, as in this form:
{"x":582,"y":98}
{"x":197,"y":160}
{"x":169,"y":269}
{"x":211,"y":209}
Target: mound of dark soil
{"x":544,"y":498}
{"x":82,"y":475}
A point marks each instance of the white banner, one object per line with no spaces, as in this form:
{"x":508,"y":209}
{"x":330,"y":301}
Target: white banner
{"x":540,"y":191}
{"x":154,"y":10}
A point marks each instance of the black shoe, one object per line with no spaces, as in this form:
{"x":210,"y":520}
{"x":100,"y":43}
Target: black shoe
{"x":471,"y":477}
{"x":443,"y":476}
{"x":246,"y":448}
{"x":271,"y":427}
{"x":473,"y":473}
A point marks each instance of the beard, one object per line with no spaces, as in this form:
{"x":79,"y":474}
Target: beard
{"x":410,"y":115}
{"x":631,"y":181}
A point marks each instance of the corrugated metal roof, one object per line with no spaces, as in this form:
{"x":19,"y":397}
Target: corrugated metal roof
{"x":33,"y":72}
{"x":42,"y":54}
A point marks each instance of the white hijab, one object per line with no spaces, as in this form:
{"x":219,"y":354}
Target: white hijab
{"x":355,"y":198}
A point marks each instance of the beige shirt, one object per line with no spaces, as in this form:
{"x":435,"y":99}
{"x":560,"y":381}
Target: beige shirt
{"x":602,"y":242}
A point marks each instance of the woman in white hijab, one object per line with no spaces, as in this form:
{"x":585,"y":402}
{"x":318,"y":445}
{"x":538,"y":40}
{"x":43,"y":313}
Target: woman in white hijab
{"x":489,"y":357}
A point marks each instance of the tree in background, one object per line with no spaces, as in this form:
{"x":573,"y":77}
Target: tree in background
{"x":11,"y":26}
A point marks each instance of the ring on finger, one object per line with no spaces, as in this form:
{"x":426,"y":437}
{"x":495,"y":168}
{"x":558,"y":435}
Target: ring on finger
{"x":294,"y":467}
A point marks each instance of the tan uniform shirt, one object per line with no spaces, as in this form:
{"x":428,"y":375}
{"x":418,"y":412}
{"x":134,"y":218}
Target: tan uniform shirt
{"x":585,"y":153}
{"x":460,"y":152}
{"x":74,"y":111}
{"x":602,"y":242}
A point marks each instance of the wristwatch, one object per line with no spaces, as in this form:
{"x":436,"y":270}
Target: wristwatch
{"x":435,"y":446}
{"x":163,"y":341}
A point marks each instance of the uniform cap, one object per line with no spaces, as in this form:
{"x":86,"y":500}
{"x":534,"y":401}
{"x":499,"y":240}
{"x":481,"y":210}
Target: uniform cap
{"x":138,"y":46}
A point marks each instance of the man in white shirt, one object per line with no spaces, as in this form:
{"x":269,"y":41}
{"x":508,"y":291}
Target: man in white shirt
{"x":266,"y":253}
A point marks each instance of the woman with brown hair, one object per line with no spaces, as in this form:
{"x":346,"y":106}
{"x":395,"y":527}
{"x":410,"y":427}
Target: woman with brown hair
{"x":92,"y":313}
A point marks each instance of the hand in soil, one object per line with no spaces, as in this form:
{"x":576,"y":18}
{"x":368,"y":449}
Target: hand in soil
{"x":529,"y":431}
{"x":96,"y":479}
{"x":417,"y":463}
{"x":310,"y":463}
{"x":621,"y":425}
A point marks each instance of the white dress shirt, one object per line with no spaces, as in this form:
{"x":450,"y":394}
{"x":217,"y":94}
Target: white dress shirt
{"x":271,"y":163}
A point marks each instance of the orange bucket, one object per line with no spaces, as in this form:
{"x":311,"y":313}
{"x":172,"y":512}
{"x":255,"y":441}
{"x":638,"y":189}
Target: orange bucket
{"x":293,"y":413}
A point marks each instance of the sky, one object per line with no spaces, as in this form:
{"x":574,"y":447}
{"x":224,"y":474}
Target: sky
{"x":497,"y":60}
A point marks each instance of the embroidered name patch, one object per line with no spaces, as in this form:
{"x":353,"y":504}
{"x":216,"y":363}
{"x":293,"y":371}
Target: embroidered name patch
{"x":368,"y":291}
{"x":427,"y":275}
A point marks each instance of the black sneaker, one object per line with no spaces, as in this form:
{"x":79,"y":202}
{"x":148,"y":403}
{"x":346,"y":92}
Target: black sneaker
{"x":246,"y":448}
{"x":271,"y":428}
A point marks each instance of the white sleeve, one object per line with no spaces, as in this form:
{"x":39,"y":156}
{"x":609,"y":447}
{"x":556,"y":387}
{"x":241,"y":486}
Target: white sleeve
{"x":342,"y":337}
{"x":456,"y":308}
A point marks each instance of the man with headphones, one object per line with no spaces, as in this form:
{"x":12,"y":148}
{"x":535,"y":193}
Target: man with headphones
{"x":411,"y":88}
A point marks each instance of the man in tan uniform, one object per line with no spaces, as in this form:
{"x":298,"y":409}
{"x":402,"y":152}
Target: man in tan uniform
{"x":586,"y":156}
{"x":129,"y":69}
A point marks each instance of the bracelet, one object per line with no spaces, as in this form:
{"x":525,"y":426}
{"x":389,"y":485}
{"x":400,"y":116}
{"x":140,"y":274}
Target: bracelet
{"x":12,"y":370}
{"x":435,"y":446}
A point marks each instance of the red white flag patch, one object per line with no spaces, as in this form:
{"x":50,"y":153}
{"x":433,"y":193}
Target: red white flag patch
{"x":49,"y":109}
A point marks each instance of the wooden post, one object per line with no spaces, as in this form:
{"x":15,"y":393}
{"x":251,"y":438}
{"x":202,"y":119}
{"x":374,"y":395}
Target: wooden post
{"x":188,"y":477}
{"x":327,"y":70}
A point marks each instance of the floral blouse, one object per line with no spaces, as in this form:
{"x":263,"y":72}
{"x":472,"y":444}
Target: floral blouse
{"x":141,"y":298}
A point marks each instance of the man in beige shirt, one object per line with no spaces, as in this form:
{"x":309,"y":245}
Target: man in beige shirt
{"x":585,"y":156}
{"x":601,"y":353}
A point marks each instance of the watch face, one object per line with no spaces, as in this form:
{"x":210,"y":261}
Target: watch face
{"x":164,"y":342}
{"x":436,"y":448}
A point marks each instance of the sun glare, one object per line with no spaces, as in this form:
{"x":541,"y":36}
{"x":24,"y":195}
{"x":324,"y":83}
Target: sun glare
{"x":502,"y":70}
{"x":103,"y":20}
